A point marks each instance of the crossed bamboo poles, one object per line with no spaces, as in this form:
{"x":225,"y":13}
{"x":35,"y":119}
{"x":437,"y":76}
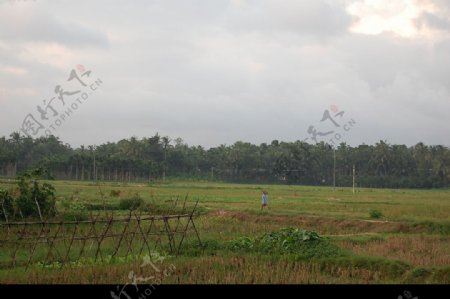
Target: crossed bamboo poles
{"x":136,"y":227}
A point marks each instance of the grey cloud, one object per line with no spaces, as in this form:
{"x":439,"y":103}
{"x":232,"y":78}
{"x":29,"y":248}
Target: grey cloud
{"x":37,"y":25}
{"x":439,"y":19}
{"x":321,"y":18}
{"x":433,"y":21}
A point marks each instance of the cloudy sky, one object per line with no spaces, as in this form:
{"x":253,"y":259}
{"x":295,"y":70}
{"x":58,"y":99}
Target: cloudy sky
{"x":218,"y":71}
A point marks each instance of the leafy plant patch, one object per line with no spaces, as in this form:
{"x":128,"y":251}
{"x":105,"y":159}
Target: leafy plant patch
{"x":306,"y":244}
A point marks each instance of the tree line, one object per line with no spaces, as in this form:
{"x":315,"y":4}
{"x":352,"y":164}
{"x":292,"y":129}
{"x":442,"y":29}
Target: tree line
{"x":158,"y":157}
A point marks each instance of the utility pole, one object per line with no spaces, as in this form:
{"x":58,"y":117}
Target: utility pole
{"x":95,"y":168}
{"x":353,"y":178}
{"x":334,"y":169}
{"x":164,"y":168}
{"x":166,"y":142}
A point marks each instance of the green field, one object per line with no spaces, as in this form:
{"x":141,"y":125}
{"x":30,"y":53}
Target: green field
{"x":408,"y":242}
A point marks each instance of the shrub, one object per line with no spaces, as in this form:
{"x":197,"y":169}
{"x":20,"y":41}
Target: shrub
{"x":76,"y":212}
{"x":376,"y":214}
{"x":305,"y":244}
{"x":6,"y":205}
{"x":132,"y":203}
{"x":36,"y":199}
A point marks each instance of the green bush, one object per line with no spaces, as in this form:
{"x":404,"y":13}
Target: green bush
{"x":376,"y":214}
{"x":76,"y":212}
{"x":6,"y":205}
{"x":305,"y":244}
{"x":131,"y":203}
{"x":36,"y":199}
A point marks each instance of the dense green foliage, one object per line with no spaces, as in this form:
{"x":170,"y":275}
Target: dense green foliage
{"x":379,"y":165}
{"x":33,"y":198}
{"x":303,"y":243}
{"x":6,"y":201}
{"x":36,"y":198}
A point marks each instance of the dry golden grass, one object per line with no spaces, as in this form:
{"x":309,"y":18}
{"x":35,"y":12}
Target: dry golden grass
{"x":417,"y":250}
{"x":242,"y":222}
{"x":209,"y":270}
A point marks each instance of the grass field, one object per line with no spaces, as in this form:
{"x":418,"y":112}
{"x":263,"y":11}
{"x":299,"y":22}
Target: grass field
{"x":408,"y":242}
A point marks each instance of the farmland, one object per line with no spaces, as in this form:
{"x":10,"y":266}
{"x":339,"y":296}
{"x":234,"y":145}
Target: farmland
{"x":376,"y":235}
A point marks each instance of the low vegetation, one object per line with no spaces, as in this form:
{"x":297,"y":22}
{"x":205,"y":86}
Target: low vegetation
{"x":308,"y":235}
{"x":376,"y":214}
{"x":131,"y":203}
{"x":303,"y":243}
{"x":30,"y":198}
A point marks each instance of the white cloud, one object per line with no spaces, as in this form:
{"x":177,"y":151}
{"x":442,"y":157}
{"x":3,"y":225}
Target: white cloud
{"x":404,"y":18}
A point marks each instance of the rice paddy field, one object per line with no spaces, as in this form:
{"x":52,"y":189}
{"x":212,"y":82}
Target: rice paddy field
{"x":308,"y":235}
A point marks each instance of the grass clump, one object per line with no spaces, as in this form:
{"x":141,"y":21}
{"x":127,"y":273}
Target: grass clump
{"x":420,"y":272}
{"x":131,"y":203}
{"x":102,"y":207}
{"x":442,"y":275}
{"x":388,"y":269}
{"x":115,"y":193}
{"x":376,"y":214}
{"x":436,"y":227}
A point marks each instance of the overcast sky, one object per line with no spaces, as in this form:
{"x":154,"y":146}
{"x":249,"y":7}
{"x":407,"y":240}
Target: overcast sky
{"x":217,"y":71}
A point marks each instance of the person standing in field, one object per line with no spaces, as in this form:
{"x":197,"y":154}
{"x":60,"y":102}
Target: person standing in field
{"x":264,"y":200}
